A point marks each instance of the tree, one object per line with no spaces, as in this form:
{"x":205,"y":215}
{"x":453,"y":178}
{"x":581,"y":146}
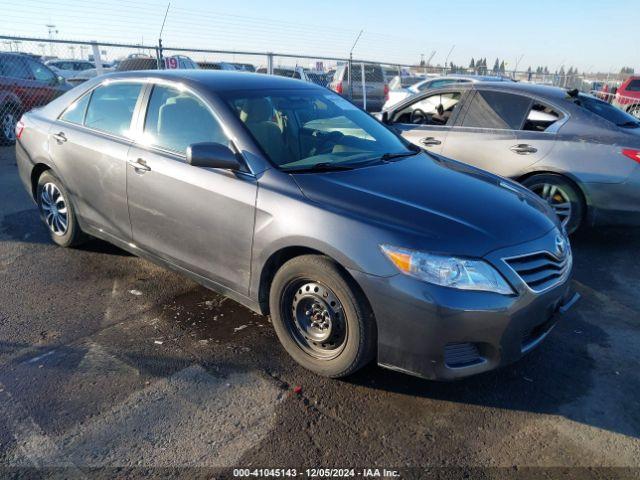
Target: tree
{"x":502,"y":67}
{"x":496,"y":66}
{"x":472,"y":64}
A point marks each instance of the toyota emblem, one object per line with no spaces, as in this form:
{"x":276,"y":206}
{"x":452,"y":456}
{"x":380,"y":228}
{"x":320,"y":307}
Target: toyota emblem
{"x":561,"y":246}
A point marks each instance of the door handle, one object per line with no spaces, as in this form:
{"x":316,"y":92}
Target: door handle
{"x":430,"y":141}
{"x":139,"y":165}
{"x":60,"y":137}
{"x":523,"y":149}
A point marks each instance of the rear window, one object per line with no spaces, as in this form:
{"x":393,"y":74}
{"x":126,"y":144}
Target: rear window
{"x":372,"y":73}
{"x":606,"y":111}
{"x":634,"y":85}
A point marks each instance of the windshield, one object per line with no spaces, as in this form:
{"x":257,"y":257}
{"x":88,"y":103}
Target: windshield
{"x":302,"y":128}
{"x":607,"y":111}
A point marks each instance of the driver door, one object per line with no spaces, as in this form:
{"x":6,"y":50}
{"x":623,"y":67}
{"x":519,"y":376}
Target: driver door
{"x":427,"y":121}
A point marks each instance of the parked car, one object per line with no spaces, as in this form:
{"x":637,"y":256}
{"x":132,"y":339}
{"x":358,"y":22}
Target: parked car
{"x":375,"y":85}
{"x":216,"y":66}
{"x":25,"y":83}
{"x":396,"y":95}
{"x":627,"y":96}
{"x":358,"y":246}
{"x":69,"y":68}
{"x":577,"y":152}
{"x":138,"y":62}
{"x":244,"y":67}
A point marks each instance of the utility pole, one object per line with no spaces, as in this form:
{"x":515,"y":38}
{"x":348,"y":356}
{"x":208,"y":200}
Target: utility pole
{"x":52,"y":31}
{"x":446,"y":60}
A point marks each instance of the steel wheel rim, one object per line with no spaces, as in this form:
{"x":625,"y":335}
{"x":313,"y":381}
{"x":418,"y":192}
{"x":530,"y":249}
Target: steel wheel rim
{"x":557,"y":198}
{"x":315,"y":319}
{"x":54,"y":209}
{"x":9,"y":126}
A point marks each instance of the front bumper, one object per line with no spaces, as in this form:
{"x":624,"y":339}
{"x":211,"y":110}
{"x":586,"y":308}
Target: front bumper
{"x":442,"y":333}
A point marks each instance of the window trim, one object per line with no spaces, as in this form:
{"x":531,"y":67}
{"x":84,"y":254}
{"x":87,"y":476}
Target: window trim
{"x":552,"y":130}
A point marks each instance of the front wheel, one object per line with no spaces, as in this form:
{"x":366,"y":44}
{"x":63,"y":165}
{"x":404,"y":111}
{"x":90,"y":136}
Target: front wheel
{"x":321,"y":318}
{"x":635,"y":111}
{"x":57,"y":212}
{"x":563,"y":197}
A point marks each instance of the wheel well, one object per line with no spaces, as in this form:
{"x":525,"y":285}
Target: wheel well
{"x":279,"y":258}
{"x":38,"y":170}
{"x":575,"y":184}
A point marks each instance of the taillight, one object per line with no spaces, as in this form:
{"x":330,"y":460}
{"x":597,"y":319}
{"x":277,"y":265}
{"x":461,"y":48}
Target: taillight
{"x":632,"y":154}
{"x":19,"y":129}
{"x":339,"y":88}
{"x":386,"y":91}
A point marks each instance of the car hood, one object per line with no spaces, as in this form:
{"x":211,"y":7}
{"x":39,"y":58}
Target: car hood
{"x":440,"y":204}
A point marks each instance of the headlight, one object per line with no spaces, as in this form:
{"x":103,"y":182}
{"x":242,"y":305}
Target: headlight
{"x":446,"y":271}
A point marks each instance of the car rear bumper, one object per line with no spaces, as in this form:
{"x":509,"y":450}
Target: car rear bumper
{"x":444,"y":334}
{"x":612,"y":204}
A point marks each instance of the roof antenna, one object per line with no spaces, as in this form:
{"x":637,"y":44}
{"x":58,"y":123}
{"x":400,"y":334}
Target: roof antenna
{"x":160,"y":59}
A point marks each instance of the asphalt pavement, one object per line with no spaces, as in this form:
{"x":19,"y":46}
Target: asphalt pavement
{"x":112,"y":366}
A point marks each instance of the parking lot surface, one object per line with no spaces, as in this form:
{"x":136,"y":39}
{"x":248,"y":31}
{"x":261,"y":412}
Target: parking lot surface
{"x":109,"y":361}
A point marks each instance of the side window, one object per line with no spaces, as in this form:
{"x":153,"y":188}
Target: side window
{"x":435,"y":109}
{"x":634,"y":86}
{"x":177,"y":119}
{"x":540,"y":118}
{"x":497,"y":110}
{"x":75,"y":112}
{"x":111,"y":108}
{"x":15,"y":68}
{"x":41,"y":73}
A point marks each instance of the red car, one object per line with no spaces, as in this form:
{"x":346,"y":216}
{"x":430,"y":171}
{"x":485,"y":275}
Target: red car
{"x":25,"y":83}
{"x":628,"y":96}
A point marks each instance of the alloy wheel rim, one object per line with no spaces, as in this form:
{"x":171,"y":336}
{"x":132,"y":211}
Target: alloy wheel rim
{"x":9,"y":126}
{"x":315,"y":319}
{"x":557,"y":198}
{"x":54,"y":209}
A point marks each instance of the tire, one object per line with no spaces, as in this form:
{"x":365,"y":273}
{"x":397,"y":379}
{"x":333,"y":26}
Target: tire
{"x":57,"y":212}
{"x":9,"y":116}
{"x":563,"y":196}
{"x":348,"y":343}
{"x":635,"y":111}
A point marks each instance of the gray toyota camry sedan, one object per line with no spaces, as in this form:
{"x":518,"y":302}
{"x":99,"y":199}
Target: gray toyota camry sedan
{"x":292,"y":201}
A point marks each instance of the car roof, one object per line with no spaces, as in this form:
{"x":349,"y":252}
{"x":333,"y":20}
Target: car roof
{"x":218,"y":80}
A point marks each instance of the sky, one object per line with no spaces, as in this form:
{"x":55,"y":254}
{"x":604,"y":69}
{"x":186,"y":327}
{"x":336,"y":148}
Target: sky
{"x":588,"y":35}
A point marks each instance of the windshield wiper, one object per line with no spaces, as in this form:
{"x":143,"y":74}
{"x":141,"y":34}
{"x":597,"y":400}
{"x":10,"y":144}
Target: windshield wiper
{"x":390,"y":156}
{"x":320,"y":167}
{"x":629,"y":124}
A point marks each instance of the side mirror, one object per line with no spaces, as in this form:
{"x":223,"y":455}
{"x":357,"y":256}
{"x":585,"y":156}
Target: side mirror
{"x":212,"y":155}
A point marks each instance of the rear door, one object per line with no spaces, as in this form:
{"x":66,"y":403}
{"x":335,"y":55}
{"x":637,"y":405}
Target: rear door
{"x":197,"y":218}
{"x":89,"y":144}
{"x":487,"y":133}
{"x":427,"y":120}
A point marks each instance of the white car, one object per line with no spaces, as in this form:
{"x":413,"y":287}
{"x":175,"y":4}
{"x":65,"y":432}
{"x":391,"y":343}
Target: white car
{"x":69,"y":68}
{"x":400,"y":93}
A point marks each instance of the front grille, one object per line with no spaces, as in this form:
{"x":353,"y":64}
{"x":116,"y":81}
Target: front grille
{"x":542,"y":270}
{"x":461,"y":355}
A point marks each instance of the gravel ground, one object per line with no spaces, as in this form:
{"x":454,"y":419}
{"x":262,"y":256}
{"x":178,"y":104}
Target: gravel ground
{"x":111,"y":366}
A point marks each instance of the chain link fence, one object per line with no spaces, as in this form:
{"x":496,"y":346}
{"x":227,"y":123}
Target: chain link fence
{"x":33,"y":71}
